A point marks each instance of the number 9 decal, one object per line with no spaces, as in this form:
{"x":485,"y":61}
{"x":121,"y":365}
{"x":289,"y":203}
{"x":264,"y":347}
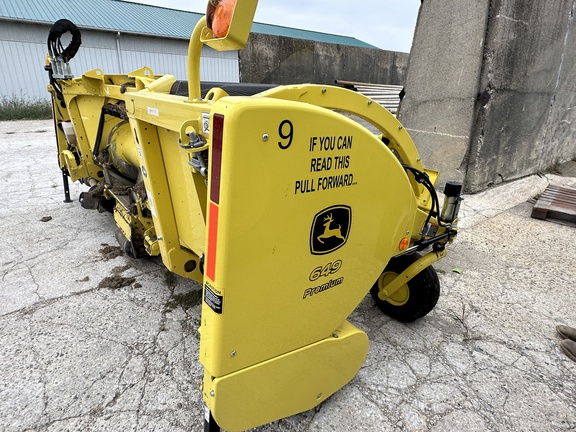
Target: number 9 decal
{"x":286,"y":132}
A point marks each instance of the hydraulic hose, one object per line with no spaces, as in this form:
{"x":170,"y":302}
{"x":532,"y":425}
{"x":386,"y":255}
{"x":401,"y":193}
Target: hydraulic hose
{"x":55,"y":47}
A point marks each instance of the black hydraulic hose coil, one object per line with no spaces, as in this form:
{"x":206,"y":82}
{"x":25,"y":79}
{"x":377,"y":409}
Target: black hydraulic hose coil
{"x":55,"y":47}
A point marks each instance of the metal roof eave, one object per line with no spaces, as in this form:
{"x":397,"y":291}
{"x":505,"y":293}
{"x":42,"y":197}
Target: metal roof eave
{"x":102,"y":29}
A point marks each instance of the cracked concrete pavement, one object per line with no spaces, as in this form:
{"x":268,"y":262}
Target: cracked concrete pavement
{"x":81,"y":353}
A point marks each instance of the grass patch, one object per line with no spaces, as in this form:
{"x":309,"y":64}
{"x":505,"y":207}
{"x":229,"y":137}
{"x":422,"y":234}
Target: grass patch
{"x":20,"y":108}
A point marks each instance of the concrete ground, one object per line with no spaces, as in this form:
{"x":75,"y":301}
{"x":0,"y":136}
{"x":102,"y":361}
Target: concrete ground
{"x":95,"y":341}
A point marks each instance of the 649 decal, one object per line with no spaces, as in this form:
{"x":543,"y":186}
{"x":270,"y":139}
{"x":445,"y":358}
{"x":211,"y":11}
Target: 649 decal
{"x":325,"y":271}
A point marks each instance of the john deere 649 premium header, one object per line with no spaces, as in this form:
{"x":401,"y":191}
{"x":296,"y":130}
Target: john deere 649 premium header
{"x":285,"y":209}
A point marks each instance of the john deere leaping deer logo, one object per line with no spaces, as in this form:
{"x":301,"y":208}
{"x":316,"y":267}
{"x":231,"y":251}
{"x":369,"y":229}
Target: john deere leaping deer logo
{"x":330,"y":232}
{"x":330,"y":229}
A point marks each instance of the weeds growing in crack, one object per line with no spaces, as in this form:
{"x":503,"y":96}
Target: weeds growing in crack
{"x":462,"y":319}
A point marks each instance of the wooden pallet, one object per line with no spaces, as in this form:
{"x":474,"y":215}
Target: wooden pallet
{"x":556,"y":204}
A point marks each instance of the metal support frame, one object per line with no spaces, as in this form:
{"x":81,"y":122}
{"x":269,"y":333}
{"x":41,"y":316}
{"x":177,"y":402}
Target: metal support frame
{"x":67,"y":198}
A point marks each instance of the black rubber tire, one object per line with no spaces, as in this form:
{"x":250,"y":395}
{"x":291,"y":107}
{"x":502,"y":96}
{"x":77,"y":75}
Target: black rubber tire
{"x":422,"y":291}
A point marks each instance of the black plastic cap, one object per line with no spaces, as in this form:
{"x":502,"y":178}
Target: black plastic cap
{"x":452,"y":189}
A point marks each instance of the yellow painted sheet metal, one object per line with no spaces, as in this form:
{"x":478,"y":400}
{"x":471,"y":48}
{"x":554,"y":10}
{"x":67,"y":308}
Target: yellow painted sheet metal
{"x":286,"y":385}
{"x":306,"y":208}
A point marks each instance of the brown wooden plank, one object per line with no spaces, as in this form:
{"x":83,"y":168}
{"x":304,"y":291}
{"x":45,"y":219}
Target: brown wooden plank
{"x":557,"y":204}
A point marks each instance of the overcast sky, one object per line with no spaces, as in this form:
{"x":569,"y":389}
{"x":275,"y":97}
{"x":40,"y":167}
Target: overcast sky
{"x":387,"y":24}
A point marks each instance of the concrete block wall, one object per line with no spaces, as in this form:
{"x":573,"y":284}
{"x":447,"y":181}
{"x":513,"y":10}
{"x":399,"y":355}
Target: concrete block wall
{"x":490,"y":88}
{"x":282,"y":60}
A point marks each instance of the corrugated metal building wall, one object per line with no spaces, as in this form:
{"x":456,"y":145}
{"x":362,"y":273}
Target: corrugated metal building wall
{"x":119,"y":37}
{"x":23,"y":52}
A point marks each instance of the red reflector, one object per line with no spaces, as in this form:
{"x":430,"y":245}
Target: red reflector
{"x":212,"y":242}
{"x":216,"y":149}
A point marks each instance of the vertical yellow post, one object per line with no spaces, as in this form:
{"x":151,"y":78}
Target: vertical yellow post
{"x":194,"y":53}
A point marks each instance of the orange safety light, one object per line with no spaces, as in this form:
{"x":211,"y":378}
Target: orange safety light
{"x":222,"y":17}
{"x":404,"y":244}
{"x":228,"y":24}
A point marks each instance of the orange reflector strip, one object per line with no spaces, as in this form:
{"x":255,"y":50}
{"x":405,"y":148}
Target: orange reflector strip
{"x":212,"y":242}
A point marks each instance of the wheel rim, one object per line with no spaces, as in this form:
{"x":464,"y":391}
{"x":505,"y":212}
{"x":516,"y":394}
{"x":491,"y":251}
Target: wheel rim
{"x":401,"y":296}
